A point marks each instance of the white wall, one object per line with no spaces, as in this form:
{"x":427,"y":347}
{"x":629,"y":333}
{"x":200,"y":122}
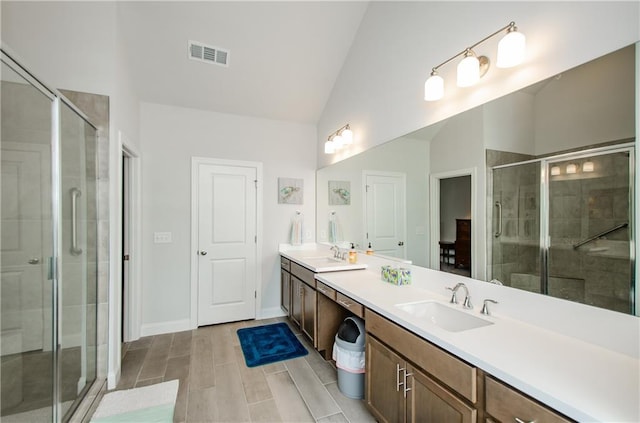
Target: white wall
{"x":170,"y":137}
{"x":380,"y":89}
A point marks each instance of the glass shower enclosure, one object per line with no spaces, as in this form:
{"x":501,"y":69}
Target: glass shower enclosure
{"x":562,"y":226}
{"x":48,"y":250}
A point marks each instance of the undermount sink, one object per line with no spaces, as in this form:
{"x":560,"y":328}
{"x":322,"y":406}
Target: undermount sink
{"x":323,"y":258}
{"x":443,"y":316}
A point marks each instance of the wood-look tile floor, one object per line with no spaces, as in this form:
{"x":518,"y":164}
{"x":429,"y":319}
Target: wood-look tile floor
{"x":217,"y":386}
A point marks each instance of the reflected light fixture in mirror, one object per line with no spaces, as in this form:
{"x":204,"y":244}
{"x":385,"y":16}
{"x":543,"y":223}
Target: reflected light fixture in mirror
{"x":571,"y":168}
{"x":511,"y":50}
{"x":338,"y":139}
{"x":555,"y":170}
{"x":587,"y":166}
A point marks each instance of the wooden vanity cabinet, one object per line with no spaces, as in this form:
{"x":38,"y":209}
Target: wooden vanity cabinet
{"x":505,"y":404}
{"x":285,"y":285}
{"x":415,"y":381}
{"x":303,"y":300}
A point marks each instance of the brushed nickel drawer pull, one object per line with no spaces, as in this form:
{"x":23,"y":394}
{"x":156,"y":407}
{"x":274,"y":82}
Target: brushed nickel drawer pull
{"x":517,"y":420}
{"x":398,"y":383}
{"x":344,"y":303}
{"x":406,"y":386}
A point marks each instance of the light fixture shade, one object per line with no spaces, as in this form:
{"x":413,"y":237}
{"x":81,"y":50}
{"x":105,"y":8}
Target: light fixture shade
{"x":434,"y":88}
{"x":555,"y":170}
{"x":468,"y":71}
{"x":338,"y":142}
{"x":347,"y":136}
{"x":571,"y":168}
{"x":587,"y":166}
{"x":329,"y":147}
{"x":511,"y":49}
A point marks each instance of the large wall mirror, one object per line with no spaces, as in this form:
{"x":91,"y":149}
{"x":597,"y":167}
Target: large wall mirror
{"x":540,"y":180}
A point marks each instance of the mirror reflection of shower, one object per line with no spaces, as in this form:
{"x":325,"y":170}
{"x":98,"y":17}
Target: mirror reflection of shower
{"x":561,"y":226}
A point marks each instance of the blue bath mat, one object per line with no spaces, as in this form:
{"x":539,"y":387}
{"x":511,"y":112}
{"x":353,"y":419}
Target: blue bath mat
{"x":269,"y":344}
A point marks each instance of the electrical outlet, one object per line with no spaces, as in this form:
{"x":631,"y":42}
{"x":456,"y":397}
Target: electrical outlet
{"x":162,"y":237}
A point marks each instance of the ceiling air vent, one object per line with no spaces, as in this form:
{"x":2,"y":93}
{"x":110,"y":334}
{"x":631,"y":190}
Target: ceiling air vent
{"x":208,"y":54}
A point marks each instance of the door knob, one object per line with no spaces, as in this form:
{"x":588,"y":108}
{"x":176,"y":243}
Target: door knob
{"x":203,"y":253}
{"x":400,"y":243}
{"x":34,"y":261}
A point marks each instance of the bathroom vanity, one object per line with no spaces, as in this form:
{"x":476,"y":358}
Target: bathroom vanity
{"x":501,"y":367}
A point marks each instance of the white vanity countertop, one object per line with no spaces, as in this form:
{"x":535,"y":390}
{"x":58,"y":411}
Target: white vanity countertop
{"x":320,"y":260}
{"x":582,"y":380}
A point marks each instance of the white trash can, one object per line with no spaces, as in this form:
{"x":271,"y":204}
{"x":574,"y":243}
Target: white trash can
{"x":348,"y":353}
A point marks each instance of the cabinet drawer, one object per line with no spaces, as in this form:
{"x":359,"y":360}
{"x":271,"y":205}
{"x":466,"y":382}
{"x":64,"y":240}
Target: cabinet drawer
{"x":351,"y":305}
{"x":285,"y":263}
{"x":326,"y":290}
{"x":450,"y":370}
{"x":505,"y":404}
{"x":304,"y":274}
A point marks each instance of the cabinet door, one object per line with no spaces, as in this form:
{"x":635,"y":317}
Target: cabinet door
{"x":428,"y":401}
{"x":296,"y":300}
{"x":309,"y":312}
{"x":285,"y":291}
{"x":383,"y":375}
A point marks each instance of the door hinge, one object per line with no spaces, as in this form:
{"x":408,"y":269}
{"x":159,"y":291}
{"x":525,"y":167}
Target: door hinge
{"x":255,"y":181}
{"x":125,"y":257}
{"x":366,"y":188}
{"x":367,"y":235}
{"x":255,"y":294}
{"x":255,"y":239}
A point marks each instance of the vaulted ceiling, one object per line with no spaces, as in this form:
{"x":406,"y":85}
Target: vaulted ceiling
{"x":284,"y":57}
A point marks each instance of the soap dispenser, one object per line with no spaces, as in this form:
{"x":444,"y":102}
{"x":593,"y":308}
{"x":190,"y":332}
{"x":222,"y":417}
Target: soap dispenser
{"x":369,"y":250}
{"x":353,"y":254}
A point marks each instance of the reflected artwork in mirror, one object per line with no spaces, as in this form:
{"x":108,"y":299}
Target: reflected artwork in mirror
{"x":573,"y":133}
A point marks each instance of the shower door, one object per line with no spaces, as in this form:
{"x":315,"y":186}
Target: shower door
{"x":26,"y":338}
{"x":515,"y":252}
{"x":48,"y":216}
{"x":589,"y":249}
{"x":77,"y":258}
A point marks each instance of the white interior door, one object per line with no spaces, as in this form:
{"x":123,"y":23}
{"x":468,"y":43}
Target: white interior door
{"x":385,"y":212}
{"x":227,"y":249}
{"x":25,"y":246}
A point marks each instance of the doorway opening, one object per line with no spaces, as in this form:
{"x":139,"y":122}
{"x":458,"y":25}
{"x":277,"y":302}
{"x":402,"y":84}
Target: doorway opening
{"x":455,"y":225}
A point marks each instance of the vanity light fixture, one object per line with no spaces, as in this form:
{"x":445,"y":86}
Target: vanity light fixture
{"x":587,"y":166}
{"x":571,"y":168}
{"x":555,"y":170}
{"x":338,"y":139}
{"x":472,"y":67}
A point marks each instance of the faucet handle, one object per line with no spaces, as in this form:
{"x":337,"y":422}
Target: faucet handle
{"x":485,"y":306}
{"x":454,"y":299}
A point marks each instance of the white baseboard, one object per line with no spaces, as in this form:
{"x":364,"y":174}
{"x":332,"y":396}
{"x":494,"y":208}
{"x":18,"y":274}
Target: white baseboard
{"x":268,"y":313}
{"x":150,"y":329}
{"x":112,"y":379}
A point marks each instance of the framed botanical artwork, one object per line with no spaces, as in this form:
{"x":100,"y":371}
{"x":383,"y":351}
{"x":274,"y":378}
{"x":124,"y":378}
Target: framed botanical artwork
{"x":339,"y":193}
{"x":290,"y":190}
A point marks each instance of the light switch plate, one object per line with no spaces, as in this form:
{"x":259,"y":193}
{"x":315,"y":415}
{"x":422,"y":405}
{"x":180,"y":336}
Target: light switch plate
{"x":162,"y":237}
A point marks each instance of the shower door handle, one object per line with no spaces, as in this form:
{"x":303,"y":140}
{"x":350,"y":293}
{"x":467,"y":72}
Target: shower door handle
{"x":75,"y":193}
{"x":499,"y":208}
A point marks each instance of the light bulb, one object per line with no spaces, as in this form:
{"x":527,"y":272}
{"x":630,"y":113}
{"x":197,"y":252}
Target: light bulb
{"x":511,"y":49}
{"x":571,"y":168}
{"x":434,"y":87}
{"x":329,"y":148}
{"x":338,"y":142}
{"x":587,"y":166}
{"x":347,"y":136}
{"x":555,"y":170}
{"x":468,"y":70}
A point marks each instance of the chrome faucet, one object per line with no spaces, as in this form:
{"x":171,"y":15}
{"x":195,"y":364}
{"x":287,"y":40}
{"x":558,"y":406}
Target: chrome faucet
{"x":485,"y":307}
{"x":336,"y":251}
{"x":467,"y":298}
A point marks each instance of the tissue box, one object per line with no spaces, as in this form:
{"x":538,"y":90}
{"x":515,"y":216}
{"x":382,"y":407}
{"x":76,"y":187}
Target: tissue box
{"x":396,"y":276}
